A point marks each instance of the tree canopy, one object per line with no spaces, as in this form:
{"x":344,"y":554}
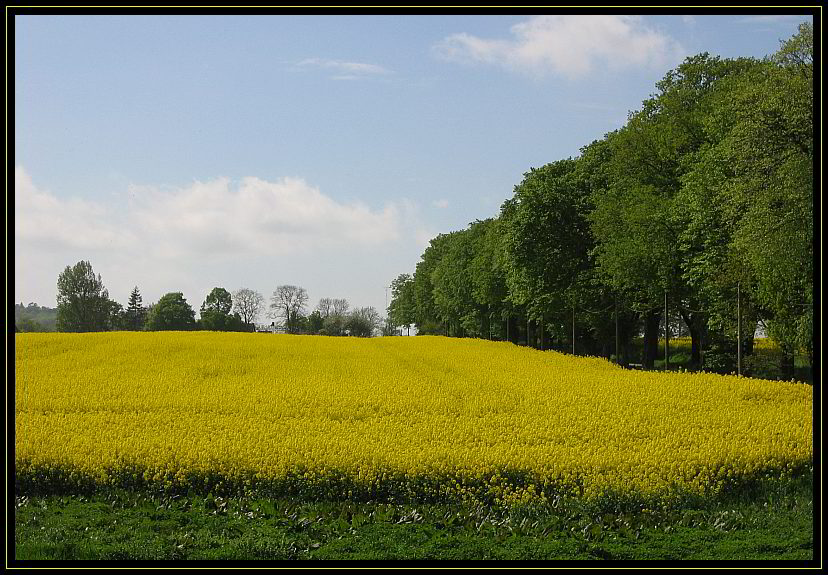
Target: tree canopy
{"x":705,"y":191}
{"x":171,"y":313}
{"x":83,"y":303}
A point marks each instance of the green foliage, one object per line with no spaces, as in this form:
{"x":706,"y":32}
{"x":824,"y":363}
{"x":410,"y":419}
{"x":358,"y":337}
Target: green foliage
{"x":35,"y":317}
{"x":334,"y":324}
{"x":136,"y":314}
{"x":402,"y":309}
{"x":748,"y":196}
{"x":425,"y":308}
{"x":362,"y":322}
{"x":218,"y":300}
{"x":215,"y":313}
{"x":547,"y":241}
{"x":28,"y":325}
{"x":83,"y":301}
{"x":117,"y":319}
{"x":705,"y":196}
{"x":315,"y":322}
{"x":773,"y":520}
{"x":171,"y":313}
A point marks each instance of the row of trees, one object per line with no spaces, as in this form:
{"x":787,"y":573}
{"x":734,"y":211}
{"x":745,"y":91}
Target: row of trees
{"x":84,"y":306}
{"x":704,"y":198}
{"x":33,"y":317}
{"x":332,"y":316}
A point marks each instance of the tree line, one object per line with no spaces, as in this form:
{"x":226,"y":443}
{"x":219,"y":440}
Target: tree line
{"x":699,"y":210}
{"x":84,"y":305}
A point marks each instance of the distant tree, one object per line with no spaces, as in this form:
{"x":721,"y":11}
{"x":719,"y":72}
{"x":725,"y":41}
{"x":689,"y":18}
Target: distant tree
{"x":334,"y":324}
{"x":39,"y":318}
{"x":339,"y":306}
{"x":215,"y":313}
{"x":218,"y":300}
{"x":248,"y":304}
{"x":117,"y":317}
{"x":288,"y":303}
{"x":325,"y":307}
{"x":172,"y":312}
{"x":363,"y":321}
{"x":315,"y":322}
{"x":401,"y":310}
{"x":28,"y":325}
{"x":136,"y":313}
{"x":83,"y":301}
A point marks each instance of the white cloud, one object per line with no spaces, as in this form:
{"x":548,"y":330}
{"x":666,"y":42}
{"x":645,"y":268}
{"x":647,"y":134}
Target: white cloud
{"x":259,"y":217}
{"x":566,"y":45}
{"x":346,"y":70}
{"x":45,"y":220}
{"x":214,"y":218}
{"x":252,"y":232}
{"x":442,"y":203}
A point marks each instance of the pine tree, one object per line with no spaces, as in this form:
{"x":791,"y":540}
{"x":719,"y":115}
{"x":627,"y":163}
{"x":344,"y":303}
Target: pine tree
{"x":135,"y":314}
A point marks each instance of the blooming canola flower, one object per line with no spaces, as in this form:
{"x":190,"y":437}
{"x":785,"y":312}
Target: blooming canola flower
{"x":428,"y":414}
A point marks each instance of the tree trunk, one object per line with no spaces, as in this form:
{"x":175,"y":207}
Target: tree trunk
{"x":651,"y":328}
{"x":695,"y":325}
{"x":543,"y":334}
{"x":787,"y":362}
{"x":748,"y":331}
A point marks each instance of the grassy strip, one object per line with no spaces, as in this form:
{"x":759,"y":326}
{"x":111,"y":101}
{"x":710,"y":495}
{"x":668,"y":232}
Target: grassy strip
{"x":775,"y":522}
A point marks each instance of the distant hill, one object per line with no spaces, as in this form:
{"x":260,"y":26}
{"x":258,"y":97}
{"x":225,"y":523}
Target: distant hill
{"x":34,"y":317}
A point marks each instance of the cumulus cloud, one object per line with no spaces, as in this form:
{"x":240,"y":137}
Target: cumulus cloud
{"x":43,"y":219}
{"x":566,"y":45}
{"x":217,"y":218}
{"x":442,"y":203}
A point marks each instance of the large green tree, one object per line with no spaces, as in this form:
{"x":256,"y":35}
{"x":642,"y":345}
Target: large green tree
{"x":451,"y":288}
{"x":171,"y":313}
{"x":637,"y":217}
{"x":748,"y":199}
{"x":402,"y":309}
{"x":428,"y":318}
{"x":547,"y":241}
{"x":488,"y":277}
{"x":83,"y":303}
{"x":215,"y":312}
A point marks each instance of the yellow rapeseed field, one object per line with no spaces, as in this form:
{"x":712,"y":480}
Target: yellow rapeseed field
{"x":420,"y":417}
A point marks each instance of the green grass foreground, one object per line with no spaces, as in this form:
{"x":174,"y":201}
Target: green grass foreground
{"x":774,"y":522}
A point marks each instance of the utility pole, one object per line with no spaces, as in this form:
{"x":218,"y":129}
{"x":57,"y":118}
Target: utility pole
{"x":573,"y":328}
{"x":666,"y":333}
{"x":617,"y":355}
{"x":739,"y":328}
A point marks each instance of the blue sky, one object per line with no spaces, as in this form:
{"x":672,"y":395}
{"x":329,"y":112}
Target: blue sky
{"x":183,"y":153}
